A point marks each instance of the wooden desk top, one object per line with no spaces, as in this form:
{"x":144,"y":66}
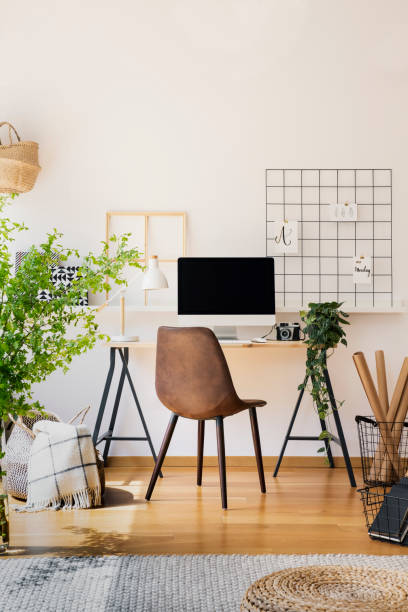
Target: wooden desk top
{"x":276,"y":344}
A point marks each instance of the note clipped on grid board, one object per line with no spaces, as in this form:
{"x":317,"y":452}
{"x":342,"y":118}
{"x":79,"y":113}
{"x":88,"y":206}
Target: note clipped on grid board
{"x":343,"y":211}
{"x":283,"y":236}
{"x":362,"y":270}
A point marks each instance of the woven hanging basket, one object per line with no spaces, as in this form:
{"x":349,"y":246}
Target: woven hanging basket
{"x":19,"y":165}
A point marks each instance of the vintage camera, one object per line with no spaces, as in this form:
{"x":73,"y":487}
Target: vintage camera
{"x":288,"y":331}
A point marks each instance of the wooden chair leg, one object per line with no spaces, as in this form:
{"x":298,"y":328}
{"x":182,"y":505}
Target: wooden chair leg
{"x":162,"y":454}
{"x":221,"y":460}
{"x":257,"y":447}
{"x":200,"y":451}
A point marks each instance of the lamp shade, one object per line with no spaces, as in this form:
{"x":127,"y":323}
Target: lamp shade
{"x":154,"y":278}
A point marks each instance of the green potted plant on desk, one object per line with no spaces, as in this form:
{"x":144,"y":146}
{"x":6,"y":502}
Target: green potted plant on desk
{"x":39,"y":337}
{"x":323,"y":331}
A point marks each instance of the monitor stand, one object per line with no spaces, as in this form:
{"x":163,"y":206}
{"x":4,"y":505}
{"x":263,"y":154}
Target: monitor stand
{"x":225,"y":332}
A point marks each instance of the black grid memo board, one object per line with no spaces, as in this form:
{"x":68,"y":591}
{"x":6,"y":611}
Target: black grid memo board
{"x":321,"y":270}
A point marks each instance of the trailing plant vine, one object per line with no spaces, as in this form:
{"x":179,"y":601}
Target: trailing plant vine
{"x":323,"y":331}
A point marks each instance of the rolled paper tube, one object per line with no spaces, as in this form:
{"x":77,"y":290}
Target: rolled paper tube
{"x":399,"y":423}
{"x":401,"y":411}
{"x":368,"y":385}
{"x":380,"y":468}
{"x":380,"y":456}
{"x":372,"y":396}
{"x":382,"y":381}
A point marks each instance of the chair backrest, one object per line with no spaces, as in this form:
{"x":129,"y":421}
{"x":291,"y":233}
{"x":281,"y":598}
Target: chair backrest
{"x":192,"y":375}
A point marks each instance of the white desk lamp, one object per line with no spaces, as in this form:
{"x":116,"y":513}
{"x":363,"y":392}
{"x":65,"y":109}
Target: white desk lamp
{"x":153,"y":278}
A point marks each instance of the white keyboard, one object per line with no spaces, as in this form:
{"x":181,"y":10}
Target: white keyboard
{"x":235,"y":342}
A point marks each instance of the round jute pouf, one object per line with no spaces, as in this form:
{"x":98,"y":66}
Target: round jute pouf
{"x":329,"y":588}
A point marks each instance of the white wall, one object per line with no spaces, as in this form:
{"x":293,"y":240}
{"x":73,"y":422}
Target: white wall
{"x":182,"y":104}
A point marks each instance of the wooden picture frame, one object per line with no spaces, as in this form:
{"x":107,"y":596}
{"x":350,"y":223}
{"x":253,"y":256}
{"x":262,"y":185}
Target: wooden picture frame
{"x":147,"y":215}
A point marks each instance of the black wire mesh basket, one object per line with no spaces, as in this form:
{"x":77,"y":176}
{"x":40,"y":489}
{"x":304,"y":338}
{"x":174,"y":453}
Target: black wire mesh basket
{"x":386,"y":513}
{"x":383,"y":450}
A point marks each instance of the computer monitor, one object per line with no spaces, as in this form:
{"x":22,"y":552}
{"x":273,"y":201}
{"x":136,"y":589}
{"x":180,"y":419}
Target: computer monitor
{"x":220,"y":291}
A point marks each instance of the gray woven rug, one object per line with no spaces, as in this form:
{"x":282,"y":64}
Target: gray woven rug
{"x":166,"y":583}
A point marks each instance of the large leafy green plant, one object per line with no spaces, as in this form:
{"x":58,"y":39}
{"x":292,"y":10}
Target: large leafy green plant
{"x":38,"y":337}
{"x":323,"y":331}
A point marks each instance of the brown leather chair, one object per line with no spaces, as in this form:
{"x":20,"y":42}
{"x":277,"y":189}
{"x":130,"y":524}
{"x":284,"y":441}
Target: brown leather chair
{"x":193,"y":381}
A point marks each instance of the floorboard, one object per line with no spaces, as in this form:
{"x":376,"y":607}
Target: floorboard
{"x":305,"y":510}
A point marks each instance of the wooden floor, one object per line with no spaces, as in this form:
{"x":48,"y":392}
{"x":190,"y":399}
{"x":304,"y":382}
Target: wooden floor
{"x":306,"y":510}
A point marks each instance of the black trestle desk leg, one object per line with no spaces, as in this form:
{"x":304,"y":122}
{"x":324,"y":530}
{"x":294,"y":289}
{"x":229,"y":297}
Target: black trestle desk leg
{"x":326,"y":440}
{"x":115,"y":407}
{"x":104,"y":396}
{"x":292,"y":421}
{"x":339,"y":428}
{"x":327,"y":444}
{"x":132,"y":388}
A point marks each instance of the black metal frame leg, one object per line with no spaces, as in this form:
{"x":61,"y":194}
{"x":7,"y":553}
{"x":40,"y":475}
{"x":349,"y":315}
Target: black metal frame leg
{"x":326,"y":441}
{"x":132,"y":388}
{"x":115,"y":408}
{"x":327,"y":444}
{"x":104,"y":396}
{"x":339,"y":439}
{"x":339,"y":428}
{"x":108,"y":435}
{"x":292,"y":421}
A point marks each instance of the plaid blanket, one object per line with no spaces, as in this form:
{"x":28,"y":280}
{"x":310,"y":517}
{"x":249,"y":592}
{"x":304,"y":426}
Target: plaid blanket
{"x":62,"y":469}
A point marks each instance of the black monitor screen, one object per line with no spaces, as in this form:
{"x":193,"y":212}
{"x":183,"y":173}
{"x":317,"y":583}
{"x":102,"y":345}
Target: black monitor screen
{"x":226,"y":285}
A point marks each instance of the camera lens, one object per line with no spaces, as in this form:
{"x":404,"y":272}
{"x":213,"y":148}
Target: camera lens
{"x":285,"y":334}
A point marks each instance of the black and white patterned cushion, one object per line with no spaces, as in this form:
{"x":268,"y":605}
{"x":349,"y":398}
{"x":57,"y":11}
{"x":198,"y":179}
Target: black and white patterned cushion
{"x":62,"y":277}
{"x":21,"y":254}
